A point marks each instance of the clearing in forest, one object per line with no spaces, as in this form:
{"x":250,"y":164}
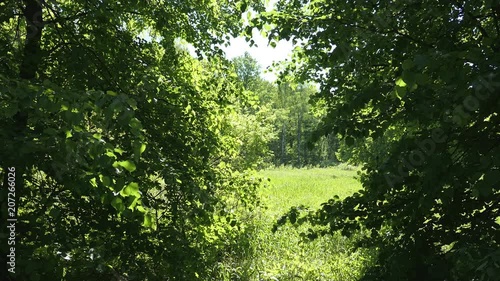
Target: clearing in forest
{"x":281,"y":255}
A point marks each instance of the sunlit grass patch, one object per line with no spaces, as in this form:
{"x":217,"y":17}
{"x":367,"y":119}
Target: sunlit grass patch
{"x":309,"y":187}
{"x":283,"y":255}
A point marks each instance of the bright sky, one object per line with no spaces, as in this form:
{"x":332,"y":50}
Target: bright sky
{"x":263,"y":53}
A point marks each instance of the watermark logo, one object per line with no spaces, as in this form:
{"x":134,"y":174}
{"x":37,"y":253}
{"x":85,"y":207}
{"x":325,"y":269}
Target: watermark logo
{"x":11,"y":219}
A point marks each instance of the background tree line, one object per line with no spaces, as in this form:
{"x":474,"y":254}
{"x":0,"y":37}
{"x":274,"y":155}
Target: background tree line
{"x":281,"y":120}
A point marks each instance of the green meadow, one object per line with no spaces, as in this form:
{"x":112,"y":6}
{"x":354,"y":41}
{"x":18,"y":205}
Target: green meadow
{"x":282,"y":255}
{"x":310,"y":187}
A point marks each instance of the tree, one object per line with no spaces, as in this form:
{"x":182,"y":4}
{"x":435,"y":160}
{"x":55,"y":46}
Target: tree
{"x":276,"y":121}
{"x":248,"y":71}
{"x":251,"y":121}
{"x":421,"y":79}
{"x":295,"y":123}
{"x":113,"y":132}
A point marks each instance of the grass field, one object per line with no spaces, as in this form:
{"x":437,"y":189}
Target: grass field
{"x":310,"y":187}
{"x":281,"y":255}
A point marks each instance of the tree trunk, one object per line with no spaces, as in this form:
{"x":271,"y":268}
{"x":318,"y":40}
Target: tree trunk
{"x":283,"y":144}
{"x":17,"y":129}
{"x":32,"y":50}
{"x":299,"y":131}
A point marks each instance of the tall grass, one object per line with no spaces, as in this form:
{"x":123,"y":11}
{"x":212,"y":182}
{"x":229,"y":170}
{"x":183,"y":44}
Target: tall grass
{"x":282,"y":255}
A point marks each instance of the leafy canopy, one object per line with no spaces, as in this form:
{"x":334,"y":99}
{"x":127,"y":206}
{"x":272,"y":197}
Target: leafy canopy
{"x":413,"y":84}
{"x":114,"y":131}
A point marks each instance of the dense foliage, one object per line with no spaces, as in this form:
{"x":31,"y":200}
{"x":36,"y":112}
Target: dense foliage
{"x":114,"y":133}
{"x":281,"y":121}
{"x":413,"y":87}
{"x":132,"y":156}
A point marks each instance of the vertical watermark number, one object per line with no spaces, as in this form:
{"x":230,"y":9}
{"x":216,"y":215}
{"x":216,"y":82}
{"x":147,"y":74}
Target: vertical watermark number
{"x":11,"y":219}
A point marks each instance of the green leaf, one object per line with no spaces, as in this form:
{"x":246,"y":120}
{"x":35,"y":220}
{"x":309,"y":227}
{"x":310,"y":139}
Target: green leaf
{"x":141,"y":209}
{"x":139,"y":148}
{"x":117,"y":203}
{"x":422,"y":79}
{"x":421,"y":60}
{"x":111,"y":93}
{"x":132,"y":103}
{"x":127,"y":164}
{"x":54,"y":213}
{"x":119,"y":150}
{"x":135,"y":124}
{"x":407,"y":64}
{"x":50,"y":131}
{"x":400,"y":92}
{"x":93,"y":182}
{"x":409,"y":78}
{"x":11,"y":110}
{"x":134,"y":203}
{"x":132,"y":189}
{"x":112,"y":155}
{"x":400,"y":82}
{"x":148,"y":220}
{"x":106,"y":181}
